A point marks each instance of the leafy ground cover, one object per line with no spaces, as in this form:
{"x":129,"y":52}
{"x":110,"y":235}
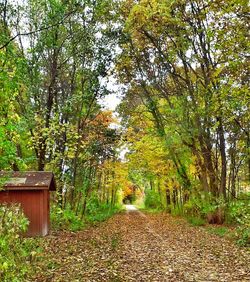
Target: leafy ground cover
{"x":16,"y":251}
{"x":136,"y":246}
{"x":67,"y":220}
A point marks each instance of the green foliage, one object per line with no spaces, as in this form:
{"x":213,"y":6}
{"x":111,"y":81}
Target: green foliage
{"x":199,"y":211}
{"x":102,"y":213}
{"x":220,"y":231}
{"x":201,"y":206}
{"x":176,"y":211}
{"x":65,"y":219}
{"x":243,"y":235}
{"x":196,"y":221}
{"x":152,"y":200}
{"x":239,"y":211}
{"x":98,"y":212}
{"x":201,"y":115}
{"x":16,"y":252}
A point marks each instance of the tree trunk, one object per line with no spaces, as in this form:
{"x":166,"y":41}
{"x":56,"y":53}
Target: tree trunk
{"x":168,"y":198}
{"x":223,"y":179}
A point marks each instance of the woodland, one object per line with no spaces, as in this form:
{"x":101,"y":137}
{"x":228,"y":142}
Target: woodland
{"x":177,"y":146}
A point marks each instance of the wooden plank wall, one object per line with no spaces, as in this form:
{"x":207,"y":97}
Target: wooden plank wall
{"x":35,"y":205}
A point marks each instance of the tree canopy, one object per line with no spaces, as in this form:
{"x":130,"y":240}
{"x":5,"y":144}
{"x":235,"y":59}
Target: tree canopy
{"x":184,"y":115}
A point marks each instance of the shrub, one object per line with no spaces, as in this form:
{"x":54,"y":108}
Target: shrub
{"x":239,"y":211}
{"x":65,"y":219}
{"x":152,"y":200}
{"x":176,"y":211}
{"x":103,"y":213}
{"x":98,"y":211}
{"x":190,"y":208}
{"x":243,"y":235}
{"x":205,"y":207}
{"x":15,"y":251}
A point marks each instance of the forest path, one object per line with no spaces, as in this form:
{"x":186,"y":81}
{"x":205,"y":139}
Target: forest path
{"x":130,"y":208}
{"x":133,"y":246}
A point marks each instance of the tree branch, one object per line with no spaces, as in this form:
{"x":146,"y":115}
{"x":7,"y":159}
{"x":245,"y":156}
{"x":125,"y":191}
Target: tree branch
{"x":35,"y":31}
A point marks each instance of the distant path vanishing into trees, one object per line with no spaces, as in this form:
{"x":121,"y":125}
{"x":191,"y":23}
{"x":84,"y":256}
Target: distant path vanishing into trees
{"x":136,"y":246}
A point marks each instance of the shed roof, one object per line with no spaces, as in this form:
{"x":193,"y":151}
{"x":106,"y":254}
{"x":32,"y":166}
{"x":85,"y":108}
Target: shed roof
{"x":30,"y":180}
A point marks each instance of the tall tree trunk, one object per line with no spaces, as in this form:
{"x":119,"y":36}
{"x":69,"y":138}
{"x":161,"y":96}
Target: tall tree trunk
{"x":223,"y":179}
{"x":168,"y":198}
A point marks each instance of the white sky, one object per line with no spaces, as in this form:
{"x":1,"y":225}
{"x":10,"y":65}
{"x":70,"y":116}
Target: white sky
{"x":110,"y":102}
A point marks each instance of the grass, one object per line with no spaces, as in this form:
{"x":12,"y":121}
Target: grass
{"x":154,"y":211}
{"x":102,"y":215}
{"x":196,"y":221}
{"x":239,"y":235}
{"x":219,"y":231}
{"x":143,"y":208}
{"x":67,"y":220}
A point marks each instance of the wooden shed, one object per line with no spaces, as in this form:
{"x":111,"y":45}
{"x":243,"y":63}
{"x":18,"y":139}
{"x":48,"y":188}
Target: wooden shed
{"x":31,"y":190}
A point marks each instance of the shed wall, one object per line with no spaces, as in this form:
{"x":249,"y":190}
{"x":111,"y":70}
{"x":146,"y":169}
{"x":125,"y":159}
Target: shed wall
{"x":35,"y":204}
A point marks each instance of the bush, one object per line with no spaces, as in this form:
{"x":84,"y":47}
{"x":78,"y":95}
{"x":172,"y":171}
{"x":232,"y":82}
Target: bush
{"x":152,"y":200}
{"x":199,"y":209}
{"x":243,"y":235}
{"x":199,"y":206}
{"x":65,"y":219}
{"x":15,"y":251}
{"x":97,"y":211}
{"x":205,"y":207}
{"x":176,"y":211}
{"x":103,"y":213}
{"x":239,"y":211}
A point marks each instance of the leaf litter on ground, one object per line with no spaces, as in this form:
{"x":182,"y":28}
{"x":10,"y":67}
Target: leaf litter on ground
{"x":134,"y":246}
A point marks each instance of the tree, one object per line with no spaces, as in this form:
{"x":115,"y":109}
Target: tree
{"x":180,"y":63}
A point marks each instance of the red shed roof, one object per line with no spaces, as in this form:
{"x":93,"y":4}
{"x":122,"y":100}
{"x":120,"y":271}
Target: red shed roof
{"x":30,"y":180}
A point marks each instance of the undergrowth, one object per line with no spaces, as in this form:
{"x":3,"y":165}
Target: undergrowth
{"x":102,"y":213}
{"x":196,"y":221}
{"x":16,"y":252}
{"x":66,"y":219}
{"x":152,"y":200}
{"x":220,"y":231}
{"x":98,"y":211}
{"x":203,"y":209}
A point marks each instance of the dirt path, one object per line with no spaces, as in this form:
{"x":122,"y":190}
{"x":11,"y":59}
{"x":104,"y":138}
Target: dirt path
{"x":133,"y":246}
